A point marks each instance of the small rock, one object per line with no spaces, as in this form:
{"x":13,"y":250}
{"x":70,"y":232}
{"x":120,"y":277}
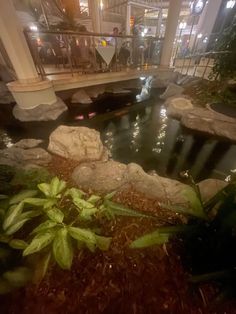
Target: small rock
{"x":81,"y":97}
{"x":19,"y":157}
{"x":209,"y":187}
{"x":178,"y":106}
{"x":172,"y":90}
{"x":40,"y":113}
{"x":28,"y":143}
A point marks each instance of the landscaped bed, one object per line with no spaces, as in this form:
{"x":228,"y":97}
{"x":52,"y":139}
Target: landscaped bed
{"x":119,"y":278}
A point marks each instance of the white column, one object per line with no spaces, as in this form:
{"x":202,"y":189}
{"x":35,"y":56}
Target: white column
{"x":14,"y":42}
{"x":171,"y":27}
{"x":128,"y":16}
{"x":95,"y":14}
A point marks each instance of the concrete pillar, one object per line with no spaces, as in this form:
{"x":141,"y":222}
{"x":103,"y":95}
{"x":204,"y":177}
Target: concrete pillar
{"x":94,"y":11}
{"x":14,"y":42}
{"x":29,"y":90}
{"x":206,"y":21}
{"x":128,"y":16}
{"x":171,"y":27}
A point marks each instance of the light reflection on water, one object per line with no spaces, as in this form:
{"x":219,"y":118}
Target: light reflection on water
{"x":145,"y":135}
{"x":149,"y":138}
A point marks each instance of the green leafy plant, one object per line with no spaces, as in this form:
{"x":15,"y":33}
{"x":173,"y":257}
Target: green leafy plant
{"x":209,"y":237}
{"x":54,"y":220}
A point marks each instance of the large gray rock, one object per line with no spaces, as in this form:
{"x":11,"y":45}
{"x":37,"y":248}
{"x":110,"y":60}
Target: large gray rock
{"x":18,"y":157}
{"x":28,"y":143}
{"x":77,"y":143}
{"x":81,"y":97}
{"x":210,"y":187}
{"x":178,"y":106}
{"x":40,"y":113}
{"x":104,"y":177}
{"x":172,"y":90}
{"x":210,"y":122}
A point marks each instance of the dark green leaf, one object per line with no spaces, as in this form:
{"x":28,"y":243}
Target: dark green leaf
{"x":39,"y":242}
{"x":18,"y":277}
{"x":103,"y":243}
{"x":56,"y":186}
{"x":44,"y":226}
{"x":109,"y":196}
{"x":62,"y":249}
{"x":18,"y":244}
{"x":84,"y":235}
{"x":12,"y":214}
{"x":87,"y":213}
{"x":35,"y":201}
{"x":120,"y":210}
{"x":22,"y":195}
{"x":45,"y":188}
{"x":154,"y":238}
{"x":75,"y":193}
{"x":55,"y":214}
{"x":93,"y":199}
{"x":16,"y":225}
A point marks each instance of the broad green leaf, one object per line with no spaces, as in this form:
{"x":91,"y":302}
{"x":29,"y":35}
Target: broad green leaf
{"x":84,"y":235}
{"x":50,"y":203}
{"x":36,"y":201}
{"x":75,"y":193}
{"x":18,"y":277}
{"x":82,"y":203}
{"x":44,"y":226}
{"x":93,"y":199}
{"x":5,"y":286}
{"x":62,"y":249}
{"x":120,"y":210}
{"x":55,"y":214}
{"x":150,"y":239}
{"x":42,"y":267}
{"x":91,"y":246}
{"x":109,"y":196}
{"x":196,"y":208}
{"x":31,"y":214}
{"x":45,"y":188}
{"x":103,"y":243}
{"x":87,"y":213}
{"x":16,"y":226}
{"x":18,"y":244}
{"x":22,"y":196}
{"x":12,"y":214}
{"x":56,"y":186}
{"x":39,"y":242}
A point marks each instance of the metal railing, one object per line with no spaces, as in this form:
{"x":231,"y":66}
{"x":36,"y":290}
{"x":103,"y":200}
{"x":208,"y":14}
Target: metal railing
{"x":64,"y":52}
{"x":199,"y":64}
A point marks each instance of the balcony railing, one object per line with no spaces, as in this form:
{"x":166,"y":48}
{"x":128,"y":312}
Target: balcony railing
{"x":72,"y":52}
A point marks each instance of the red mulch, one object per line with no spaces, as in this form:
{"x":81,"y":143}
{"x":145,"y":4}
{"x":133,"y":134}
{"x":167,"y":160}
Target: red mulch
{"x":120,"y":280}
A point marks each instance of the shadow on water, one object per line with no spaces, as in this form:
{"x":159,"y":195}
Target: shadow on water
{"x":140,"y":133}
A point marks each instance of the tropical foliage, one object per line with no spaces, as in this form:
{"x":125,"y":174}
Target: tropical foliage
{"x":52,"y":222}
{"x":225,"y":62}
{"x":209,"y":237}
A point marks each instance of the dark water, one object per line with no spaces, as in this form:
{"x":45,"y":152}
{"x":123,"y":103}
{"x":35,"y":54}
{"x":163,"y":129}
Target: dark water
{"x":141,"y":133}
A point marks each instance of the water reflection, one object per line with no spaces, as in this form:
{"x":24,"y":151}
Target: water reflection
{"x":156,"y":142}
